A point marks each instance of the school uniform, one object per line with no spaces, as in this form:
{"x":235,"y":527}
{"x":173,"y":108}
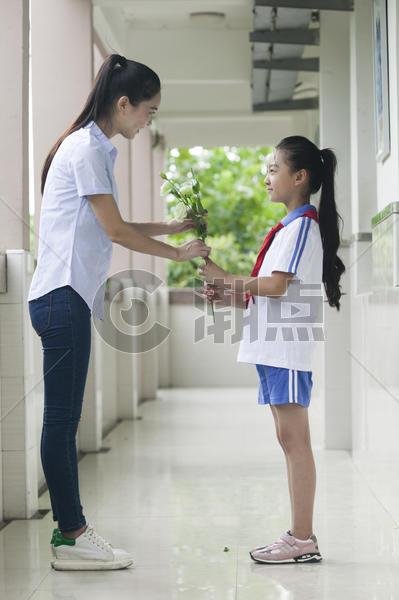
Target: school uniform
{"x":280,"y":334}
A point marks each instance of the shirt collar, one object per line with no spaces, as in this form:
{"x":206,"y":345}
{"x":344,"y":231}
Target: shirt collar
{"x":103,"y":138}
{"x":297,"y":212}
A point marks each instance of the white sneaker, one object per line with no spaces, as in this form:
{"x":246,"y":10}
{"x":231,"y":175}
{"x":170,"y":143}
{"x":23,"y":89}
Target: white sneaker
{"x":88,"y":552}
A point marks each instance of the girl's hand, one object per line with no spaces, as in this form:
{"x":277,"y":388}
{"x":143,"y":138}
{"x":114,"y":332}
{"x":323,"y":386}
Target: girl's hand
{"x":192,"y":249}
{"x":212,"y":271}
{"x":215,"y":294}
{"x":222,"y":297}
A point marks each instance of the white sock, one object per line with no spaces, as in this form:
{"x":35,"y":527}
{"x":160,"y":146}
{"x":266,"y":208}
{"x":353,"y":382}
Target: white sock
{"x":298,"y":538}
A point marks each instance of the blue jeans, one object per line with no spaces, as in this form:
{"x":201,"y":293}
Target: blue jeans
{"x":62,"y":320}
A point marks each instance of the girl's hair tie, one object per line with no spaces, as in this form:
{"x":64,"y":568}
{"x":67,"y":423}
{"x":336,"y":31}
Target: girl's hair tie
{"x":122,"y":61}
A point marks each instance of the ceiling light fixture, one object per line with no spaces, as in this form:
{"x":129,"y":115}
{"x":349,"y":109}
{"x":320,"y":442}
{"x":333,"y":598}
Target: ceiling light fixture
{"x":208,"y":18}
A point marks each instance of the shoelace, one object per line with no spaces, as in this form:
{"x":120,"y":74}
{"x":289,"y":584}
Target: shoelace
{"x":96,"y":539}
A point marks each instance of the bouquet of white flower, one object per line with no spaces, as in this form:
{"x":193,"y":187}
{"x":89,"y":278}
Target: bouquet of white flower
{"x":189,"y":205}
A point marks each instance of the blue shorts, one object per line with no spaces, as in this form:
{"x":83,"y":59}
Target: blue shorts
{"x":284,"y":386}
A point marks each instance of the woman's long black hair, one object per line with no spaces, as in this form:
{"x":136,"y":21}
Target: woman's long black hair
{"x":301,"y":153}
{"x":117,"y":77}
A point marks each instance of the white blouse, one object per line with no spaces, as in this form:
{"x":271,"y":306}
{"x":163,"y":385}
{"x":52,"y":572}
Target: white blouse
{"x":73,"y":247}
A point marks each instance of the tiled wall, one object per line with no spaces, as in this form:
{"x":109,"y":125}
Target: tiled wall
{"x":375,"y":371}
{"x":19,"y":385}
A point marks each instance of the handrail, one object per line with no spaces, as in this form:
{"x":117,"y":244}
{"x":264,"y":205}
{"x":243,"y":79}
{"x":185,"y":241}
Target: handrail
{"x":3,"y":273}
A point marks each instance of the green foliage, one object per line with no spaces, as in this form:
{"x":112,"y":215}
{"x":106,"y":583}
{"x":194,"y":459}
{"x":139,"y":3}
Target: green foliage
{"x":239,"y":212}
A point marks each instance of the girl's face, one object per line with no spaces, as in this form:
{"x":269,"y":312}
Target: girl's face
{"x":133,"y":118}
{"x":280,"y":182}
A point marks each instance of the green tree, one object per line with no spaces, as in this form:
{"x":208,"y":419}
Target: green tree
{"x":239,"y":212}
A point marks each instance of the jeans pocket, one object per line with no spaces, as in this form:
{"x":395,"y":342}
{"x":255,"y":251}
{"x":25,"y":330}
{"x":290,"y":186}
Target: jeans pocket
{"x":40,"y":312}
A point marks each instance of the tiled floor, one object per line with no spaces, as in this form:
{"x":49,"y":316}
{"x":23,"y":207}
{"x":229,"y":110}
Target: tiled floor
{"x":200,"y":472}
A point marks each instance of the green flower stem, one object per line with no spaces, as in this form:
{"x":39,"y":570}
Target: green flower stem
{"x":196,"y":215}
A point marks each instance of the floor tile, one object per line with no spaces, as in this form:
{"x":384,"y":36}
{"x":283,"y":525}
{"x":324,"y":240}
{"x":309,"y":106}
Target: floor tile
{"x":188,"y":490}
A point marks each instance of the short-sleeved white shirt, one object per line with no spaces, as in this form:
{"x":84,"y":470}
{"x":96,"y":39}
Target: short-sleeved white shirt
{"x":73,"y":247}
{"x":283,"y":332}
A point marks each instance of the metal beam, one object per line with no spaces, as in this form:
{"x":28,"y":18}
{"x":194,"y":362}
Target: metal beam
{"x":304,"y":37}
{"x":316,"y":4}
{"x":303,"y":104}
{"x":288,"y":64}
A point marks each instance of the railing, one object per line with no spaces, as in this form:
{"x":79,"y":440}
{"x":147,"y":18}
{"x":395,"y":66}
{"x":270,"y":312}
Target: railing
{"x":3,"y":273}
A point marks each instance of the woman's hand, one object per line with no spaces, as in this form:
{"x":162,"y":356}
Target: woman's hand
{"x":212,"y":271}
{"x":192,"y":249}
{"x":175,"y":227}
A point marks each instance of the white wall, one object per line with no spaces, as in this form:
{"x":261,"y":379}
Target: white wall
{"x":388,"y":172}
{"x":375,"y":302}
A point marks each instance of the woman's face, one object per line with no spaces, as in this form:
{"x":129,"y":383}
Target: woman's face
{"x":281,"y":183}
{"x":133,"y":118}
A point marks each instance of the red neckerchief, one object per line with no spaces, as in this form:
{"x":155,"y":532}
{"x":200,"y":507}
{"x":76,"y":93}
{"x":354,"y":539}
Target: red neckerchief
{"x":312,"y":213}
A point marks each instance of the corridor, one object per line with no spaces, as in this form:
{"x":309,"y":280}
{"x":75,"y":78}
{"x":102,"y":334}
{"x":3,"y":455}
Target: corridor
{"x":199,"y":472}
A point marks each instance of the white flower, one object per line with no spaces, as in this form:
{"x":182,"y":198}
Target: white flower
{"x":166,"y":188}
{"x":186,"y":190}
{"x":179,"y":212}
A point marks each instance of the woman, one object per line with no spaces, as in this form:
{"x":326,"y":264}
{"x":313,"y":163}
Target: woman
{"x":79,"y":221}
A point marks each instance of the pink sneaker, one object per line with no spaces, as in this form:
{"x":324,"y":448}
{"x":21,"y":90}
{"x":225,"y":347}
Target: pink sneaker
{"x":288,"y":549}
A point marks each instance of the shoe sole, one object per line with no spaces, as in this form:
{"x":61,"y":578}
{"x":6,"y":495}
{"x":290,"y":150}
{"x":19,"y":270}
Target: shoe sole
{"x":89,"y":565}
{"x":304,"y":558}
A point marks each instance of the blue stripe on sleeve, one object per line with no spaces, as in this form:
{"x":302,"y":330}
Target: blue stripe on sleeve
{"x":297,"y":244}
{"x":308,"y":219}
{"x":293,"y":385}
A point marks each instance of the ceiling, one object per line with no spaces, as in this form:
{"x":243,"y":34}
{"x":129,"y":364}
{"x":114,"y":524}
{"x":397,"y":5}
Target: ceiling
{"x":282,"y":84}
{"x":206,"y":65}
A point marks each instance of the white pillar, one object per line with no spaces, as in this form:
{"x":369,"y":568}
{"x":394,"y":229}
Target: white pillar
{"x":160,"y":264}
{"x":122,"y":258}
{"x":62,"y":75}
{"x":141,"y":162}
{"x":18,"y":465}
{"x":121,"y":265}
{"x":158,"y":203}
{"x":90,"y":426}
{"x":62,"y":48}
{"x":363,"y":163}
{"x":14,"y":181}
{"x":144,"y":208}
{"x":128,"y":369}
{"x":334,"y":133}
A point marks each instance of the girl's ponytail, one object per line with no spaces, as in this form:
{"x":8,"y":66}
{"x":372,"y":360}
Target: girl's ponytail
{"x":116,"y":77}
{"x":301,"y":153}
{"x":333,"y":267}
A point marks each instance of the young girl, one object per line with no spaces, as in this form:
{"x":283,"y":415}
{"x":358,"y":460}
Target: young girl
{"x":300,"y":250}
{"x":79,"y":221}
